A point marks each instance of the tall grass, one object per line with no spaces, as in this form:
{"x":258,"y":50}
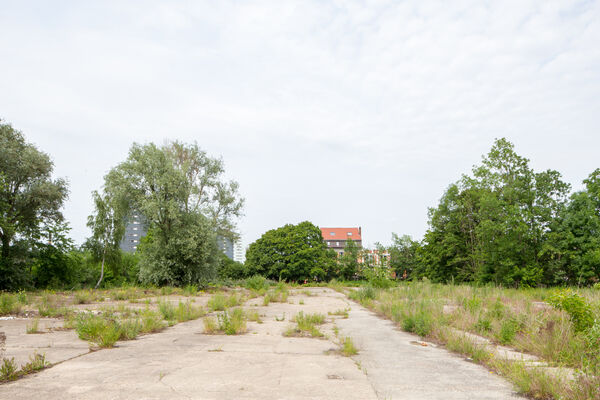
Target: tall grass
{"x":561,"y":327}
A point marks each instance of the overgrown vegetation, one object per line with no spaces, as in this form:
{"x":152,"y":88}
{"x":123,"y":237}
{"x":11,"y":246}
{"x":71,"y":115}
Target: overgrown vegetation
{"x":508,"y":225}
{"x":228,"y":322}
{"x":306,"y":325}
{"x":560,"y":327}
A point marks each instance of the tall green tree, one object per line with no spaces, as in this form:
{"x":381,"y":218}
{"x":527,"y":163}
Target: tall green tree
{"x":107,"y":226}
{"x":494,"y":226}
{"x":291,"y":252}
{"x":348,"y":262}
{"x":404,"y":256}
{"x":181,"y":193}
{"x":30,"y":199}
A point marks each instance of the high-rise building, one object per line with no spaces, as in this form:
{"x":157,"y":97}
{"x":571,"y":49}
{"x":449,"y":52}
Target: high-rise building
{"x":225,"y":245}
{"x":239,"y":253}
{"x":135,"y":229}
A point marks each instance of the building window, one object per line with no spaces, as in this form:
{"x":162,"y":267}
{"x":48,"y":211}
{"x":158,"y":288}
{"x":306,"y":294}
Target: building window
{"x":135,"y":228}
{"x":332,"y":233}
{"x":349,"y":233}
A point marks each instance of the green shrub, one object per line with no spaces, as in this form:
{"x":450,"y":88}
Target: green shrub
{"x":420,"y":323}
{"x":9,"y":304}
{"x":151,"y":322}
{"x":210,"y":325}
{"x":508,"y":331}
{"x":348,"y":348}
{"x":364,"y":293}
{"x":305,"y":324}
{"x":8,"y":369}
{"x":109,"y":335}
{"x":576,"y":306}
{"x":167,"y":309}
{"x":190,"y":290}
{"x":89,"y":326}
{"x":130,"y":329}
{"x":257,"y":283}
{"x":218,"y":302}
{"x":473,"y":304}
{"x":36,"y":362}
{"x":234,"y":323}
{"x":483,"y":325}
{"x":84,"y":297}
{"x":187,"y":311}
{"x":33,"y":327}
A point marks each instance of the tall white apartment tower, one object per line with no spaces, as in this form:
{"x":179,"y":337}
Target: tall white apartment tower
{"x":239,"y":254}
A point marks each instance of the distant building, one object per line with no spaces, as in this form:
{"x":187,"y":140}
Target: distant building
{"x":375,"y":257}
{"x":239,"y":253}
{"x":135,"y":229}
{"x":225,"y":245}
{"x":336,"y":238}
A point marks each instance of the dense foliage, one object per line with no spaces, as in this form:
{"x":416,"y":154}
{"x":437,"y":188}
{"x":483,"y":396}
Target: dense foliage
{"x":292,"y":253}
{"x":509,"y":225}
{"x":180,"y":192}
{"x":31,"y":223}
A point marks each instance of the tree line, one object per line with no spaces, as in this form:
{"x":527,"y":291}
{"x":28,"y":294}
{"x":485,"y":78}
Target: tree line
{"x":504,"y":224}
{"x":508,"y":225}
{"x":178,"y":188}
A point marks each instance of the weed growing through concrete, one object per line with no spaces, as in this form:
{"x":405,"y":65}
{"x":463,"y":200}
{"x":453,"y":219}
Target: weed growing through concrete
{"x":306,"y":325}
{"x":348,"y":347}
{"x":33,"y":327}
{"x":36,"y":362}
{"x":277,"y":295}
{"x":232,"y":322}
{"x":252,"y":315}
{"x":9,"y":304}
{"x":340,"y":313}
{"x":8,"y":369}
{"x":217,"y":303}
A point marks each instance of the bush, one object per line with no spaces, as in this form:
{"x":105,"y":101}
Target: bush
{"x":348,"y":348}
{"x":576,"y":306}
{"x":166,"y":309}
{"x":305,"y":325}
{"x":483,"y":325}
{"x":257,"y":282}
{"x":364,"y":293}
{"x":9,"y":304}
{"x":420,"y":323}
{"x":8,"y":369}
{"x":232,"y":323}
{"x":218,"y":302}
{"x":508,"y":331}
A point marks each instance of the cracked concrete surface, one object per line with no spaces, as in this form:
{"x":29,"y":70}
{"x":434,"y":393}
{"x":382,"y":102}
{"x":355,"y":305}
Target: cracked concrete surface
{"x":183,"y":363}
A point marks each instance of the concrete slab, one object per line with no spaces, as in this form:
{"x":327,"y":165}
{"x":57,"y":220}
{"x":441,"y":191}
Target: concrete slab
{"x":399,"y":367}
{"x":184,"y":363}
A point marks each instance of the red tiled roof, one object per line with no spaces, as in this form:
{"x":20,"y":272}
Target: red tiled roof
{"x":341,"y":233}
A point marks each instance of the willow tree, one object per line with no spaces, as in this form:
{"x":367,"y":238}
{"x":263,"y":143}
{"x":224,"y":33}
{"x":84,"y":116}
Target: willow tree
{"x":181,"y":192}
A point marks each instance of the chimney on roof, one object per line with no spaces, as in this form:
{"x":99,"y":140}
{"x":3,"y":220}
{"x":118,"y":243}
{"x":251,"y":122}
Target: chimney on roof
{"x":359,"y":231}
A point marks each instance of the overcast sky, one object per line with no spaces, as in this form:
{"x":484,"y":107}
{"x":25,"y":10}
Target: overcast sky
{"x":341,"y":113}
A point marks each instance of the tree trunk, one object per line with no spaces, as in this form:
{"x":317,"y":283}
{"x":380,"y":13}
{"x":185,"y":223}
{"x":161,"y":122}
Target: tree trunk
{"x":102,"y":269}
{"x":5,"y":246}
